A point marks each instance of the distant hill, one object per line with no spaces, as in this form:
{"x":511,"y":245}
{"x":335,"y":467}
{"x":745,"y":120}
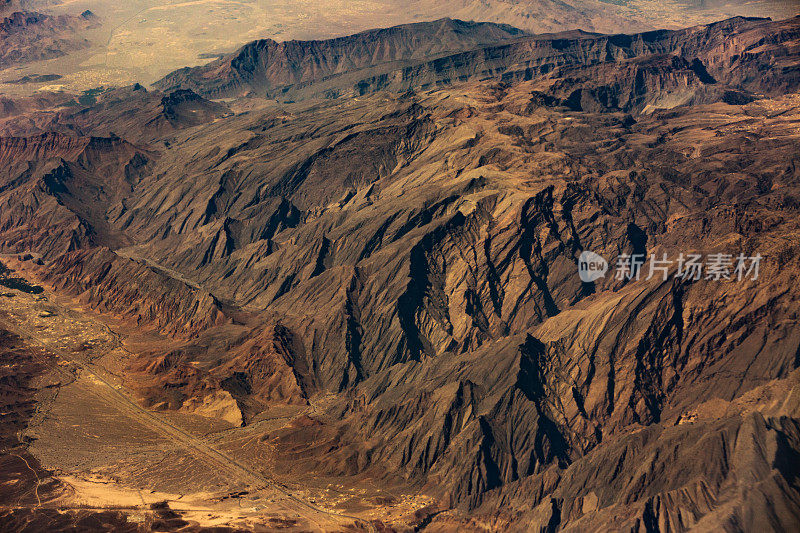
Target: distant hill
{"x":606,"y":16}
{"x":27,"y":36}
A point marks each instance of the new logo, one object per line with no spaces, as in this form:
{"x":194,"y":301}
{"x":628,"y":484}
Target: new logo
{"x":591,"y":266}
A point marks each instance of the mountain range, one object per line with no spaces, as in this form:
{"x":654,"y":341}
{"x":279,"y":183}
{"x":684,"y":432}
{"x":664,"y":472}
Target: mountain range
{"x":613,"y":70}
{"x":355,"y":263}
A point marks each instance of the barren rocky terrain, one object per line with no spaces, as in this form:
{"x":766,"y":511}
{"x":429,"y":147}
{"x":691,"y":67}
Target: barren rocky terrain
{"x":144,"y":40}
{"x":29,"y":36}
{"x":334,"y":285}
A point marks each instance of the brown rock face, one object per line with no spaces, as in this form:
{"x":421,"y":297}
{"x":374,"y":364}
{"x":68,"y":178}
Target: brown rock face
{"x":413,"y":258}
{"x":141,"y":115}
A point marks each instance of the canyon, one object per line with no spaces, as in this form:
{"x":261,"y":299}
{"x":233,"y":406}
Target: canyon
{"x":333,"y":285}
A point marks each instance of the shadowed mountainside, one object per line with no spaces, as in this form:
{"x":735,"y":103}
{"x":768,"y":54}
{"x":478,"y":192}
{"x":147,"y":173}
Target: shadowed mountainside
{"x":413,"y":255}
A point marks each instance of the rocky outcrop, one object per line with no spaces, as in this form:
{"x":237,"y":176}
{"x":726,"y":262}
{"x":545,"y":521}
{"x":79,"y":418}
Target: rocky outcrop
{"x":263,"y":367}
{"x":218,"y":404}
{"x":41,"y":147}
{"x":680,"y":476}
{"x":56,"y":189}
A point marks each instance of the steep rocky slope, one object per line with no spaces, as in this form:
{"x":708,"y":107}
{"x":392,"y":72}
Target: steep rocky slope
{"x":680,"y":66}
{"x":267,"y":65}
{"x":142,"y":115}
{"x":413,"y":257}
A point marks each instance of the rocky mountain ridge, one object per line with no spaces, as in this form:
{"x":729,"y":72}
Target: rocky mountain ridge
{"x":412,"y":257}
{"x":267,"y":65}
{"x":695,"y":64}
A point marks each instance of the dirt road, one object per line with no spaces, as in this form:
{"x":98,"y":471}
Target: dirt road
{"x":253,"y":481}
